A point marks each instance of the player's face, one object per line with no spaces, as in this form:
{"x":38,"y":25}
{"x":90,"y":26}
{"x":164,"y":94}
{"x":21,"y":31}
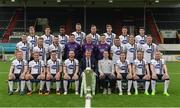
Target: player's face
{"x":141,"y":31}
{"x":71,"y":38}
{"x":93,"y":29}
{"x":56,"y":40}
{"x":31,"y":30}
{"x":103,"y":39}
{"x":122,"y":57}
{"x":47,"y":31}
{"x":40,"y":42}
{"x":117,"y":42}
{"x":109,"y":29}
{"x":53,"y":56}
{"x":88,"y":54}
{"x":157,"y":55}
{"x":19,"y":55}
{"x":140,"y":55}
{"x":62,"y":31}
{"x":78,"y":27}
{"x":71,"y":54}
{"x":149,"y":39}
{"x":124,"y":31}
{"x":24,"y":39}
{"x":88,"y":39}
{"x":106,"y":54}
{"x":36,"y":56}
{"x":131,"y":39}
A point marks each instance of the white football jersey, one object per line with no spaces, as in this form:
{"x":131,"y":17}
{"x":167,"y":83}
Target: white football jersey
{"x":63,"y":40}
{"x":158,"y":65}
{"x":123,"y":67}
{"x":25,"y":48}
{"x":123,"y":39}
{"x":131,"y":52}
{"x":36,"y":67}
{"x":18,"y":66}
{"x":48,"y":40}
{"x":42,"y":53}
{"x":140,"y":40}
{"x":54,"y":65}
{"x":71,"y":65}
{"x":32,"y":40}
{"x":110,"y":38}
{"x":149,"y":51}
{"x":115,"y":50}
{"x":95,"y":38}
{"x":57,"y":48}
{"x":140,"y":66}
{"x":79,"y":37}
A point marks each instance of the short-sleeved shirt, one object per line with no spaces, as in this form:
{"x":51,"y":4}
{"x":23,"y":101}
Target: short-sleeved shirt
{"x":71,"y":65}
{"x":42,"y":52}
{"x":48,"y":40}
{"x":123,"y":67}
{"x":110,"y":38}
{"x":116,"y":51}
{"x":63,"y":40}
{"x":18,"y":66}
{"x":123,"y":39}
{"x":140,"y":66}
{"x":32,"y":40}
{"x":58,"y":49}
{"x":36,"y":67}
{"x":54,"y":65}
{"x":158,"y":65}
{"x":79,"y":37}
{"x":95,"y":38}
{"x":131,"y":51}
{"x":140,"y":40}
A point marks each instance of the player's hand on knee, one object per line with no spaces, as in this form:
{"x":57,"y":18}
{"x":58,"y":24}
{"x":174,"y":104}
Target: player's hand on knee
{"x":129,"y":76}
{"x":48,"y":77}
{"x":135,"y":77}
{"x":57,"y":77}
{"x":66,"y":76}
{"x":101,"y":75}
{"x":146,"y":77}
{"x":119,"y":76}
{"x":75,"y":77}
{"x":11,"y":76}
{"x":165,"y":76}
{"x":154,"y":76}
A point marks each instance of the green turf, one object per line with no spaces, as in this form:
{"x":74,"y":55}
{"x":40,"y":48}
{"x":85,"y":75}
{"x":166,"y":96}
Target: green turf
{"x":99,"y":100}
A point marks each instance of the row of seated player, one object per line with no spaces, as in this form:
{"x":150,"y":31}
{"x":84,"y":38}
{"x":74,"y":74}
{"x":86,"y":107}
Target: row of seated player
{"x":72,"y":70}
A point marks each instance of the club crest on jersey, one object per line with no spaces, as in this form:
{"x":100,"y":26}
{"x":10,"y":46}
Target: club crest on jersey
{"x":142,"y":41}
{"x":149,"y":50}
{"x":158,"y":66}
{"x":132,"y":49}
{"x":54,"y":66}
{"x":123,"y":67}
{"x":140,"y":66}
{"x":71,"y":66}
{"x":24,"y":48}
{"x":19,"y":66}
{"x":36,"y":67}
{"x":118,"y":52}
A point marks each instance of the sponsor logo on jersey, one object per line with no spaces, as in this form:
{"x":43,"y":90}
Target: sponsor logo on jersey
{"x":63,"y":42}
{"x":78,"y":39}
{"x":123,"y":67}
{"x":24,"y":48}
{"x":71,"y":66}
{"x":158,"y":66}
{"x":142,"y":42}
{"x":149,"y":50}
{"x":19,"y":66}
{"x":124,"y":41}
{"x":54,"y":67}
{"x":140,"y":66}
{"x":33,"y":41}
{"x":118,"y":52}
{"x":36,"y":67}
{"x":47,"y":41}
{"x":109,"y":40}
{"x":132,"y":50}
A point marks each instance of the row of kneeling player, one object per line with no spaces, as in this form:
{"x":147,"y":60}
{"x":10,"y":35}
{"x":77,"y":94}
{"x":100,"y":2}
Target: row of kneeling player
{"x":105,"y":70}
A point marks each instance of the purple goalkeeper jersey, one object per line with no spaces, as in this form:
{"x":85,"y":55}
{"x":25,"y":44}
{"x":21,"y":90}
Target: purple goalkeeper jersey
{"x":91,"y":47}
{"x":72,"y":46}
{"x":101,"y":48}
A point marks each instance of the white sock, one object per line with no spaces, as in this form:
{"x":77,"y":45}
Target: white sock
{"x":147,"y":83}
{"x":135,"y":86}
{"x":77,"y":85}
{"x":22,"y":85}
{"x":17,"y":85}
{"x":153,"y":85}
{"x":65,"y":85}
{"x":28,"y":83}
{"x":42,"y":82}
{"x":48,"y":84}
{"x":119,"y":83}
{"x":166,"y":85}
{"x":57,"y":85}
{"x":129,"y":85}
{"x":10,"y":85}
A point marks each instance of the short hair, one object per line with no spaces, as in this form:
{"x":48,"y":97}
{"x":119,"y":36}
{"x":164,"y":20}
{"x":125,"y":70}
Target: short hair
{"x":36,"y":52}
{"x":88,"y":50}
{"x":47,"y":26}
{"x":53,"y":51}
{"x":56,"y":36}
{"x":149,"y":35}
{"x":31,"y":26}
{"x":124,"y":27}
{"x":102,"y":35}
{"x":93,"y":25}
{"x":61,"y":27}
{"x":18,"y":51}
{"x":117,"y":37}
{"x":78,"y":24}
{"x":132,"y":34}
{"x":123,"y":52}
{"x":108,"y":25}
{"x":141,"y":28}
{"x":71,"y":35}
{"x":140,"y":51}
{"x":40,"y":38}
